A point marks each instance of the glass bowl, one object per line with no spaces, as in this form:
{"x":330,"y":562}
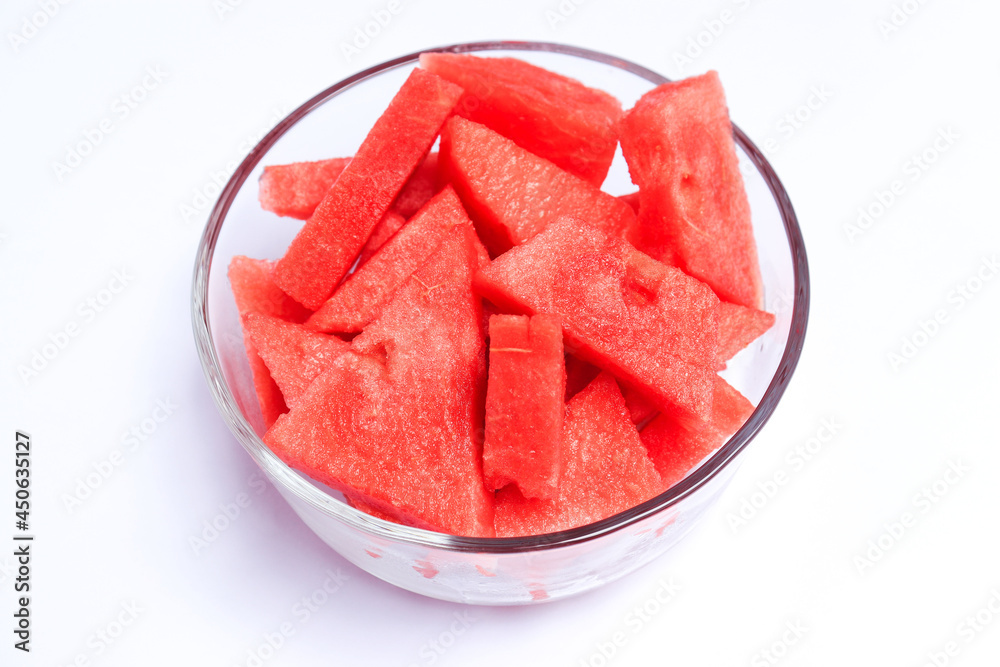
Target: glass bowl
{"x":478,"y":570}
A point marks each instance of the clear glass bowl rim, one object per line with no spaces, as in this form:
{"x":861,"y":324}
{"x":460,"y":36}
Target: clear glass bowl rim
{"x":268,"y":461}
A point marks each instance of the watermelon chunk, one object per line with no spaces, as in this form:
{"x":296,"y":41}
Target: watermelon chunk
{"x":678,"y":143}
{"x":738,"y":327}
{"x":327,"y":245}
{"x":513,"y":194}
{"x":293,"y":354}
{"x":676,"y":450}
{"x":525,"y":404}
{"x":295,"y":190}
{"x":361,"y":297}
{"x":255,"y":292}
{"x":648,"y":324}
{"x":606,"y":469}
{"x":551,"y":115}
{"x":392,"y":423}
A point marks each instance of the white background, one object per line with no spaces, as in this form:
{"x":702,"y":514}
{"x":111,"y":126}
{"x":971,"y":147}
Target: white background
{"x":228,"y":76}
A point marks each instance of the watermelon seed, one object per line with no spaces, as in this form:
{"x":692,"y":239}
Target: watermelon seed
{"x":509,"y":349}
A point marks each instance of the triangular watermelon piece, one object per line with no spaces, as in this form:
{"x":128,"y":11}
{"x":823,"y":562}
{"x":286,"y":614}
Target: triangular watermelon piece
{"x":295,"y":190}
{"x":392,"y":423}
{"x":255,"y":292}
{"x":648,"y":324}
{"x":678,"y":142}
{"x":551,"y":115}
{"x":676,"y":450}
{"x":361,"y":297}
{"x":512,"y":194}
{"x":327,"y":245}
{"x":738,"y":327}
{"x":294,"y":355}
{"x":525,"y":404}
{"x":606,"y":469}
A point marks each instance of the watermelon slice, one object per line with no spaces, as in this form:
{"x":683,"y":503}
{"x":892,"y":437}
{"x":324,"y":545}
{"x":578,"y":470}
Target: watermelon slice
{"x":392,"y":423}
{"x":361,"y":297}
{"x":255,"y":292}
{"x":676,"y":450}
{"x":649,"y":324}
{"x":606,"y":469}
{"x":553,"y":116}
{"x":738,"y":327}
{"x":293,"y":354}
{"x":329,"y":242}
{"x":678,"y":143}
{"x":525,"y":404}
{"x":295,"y":190}
{"x":513,"y":194}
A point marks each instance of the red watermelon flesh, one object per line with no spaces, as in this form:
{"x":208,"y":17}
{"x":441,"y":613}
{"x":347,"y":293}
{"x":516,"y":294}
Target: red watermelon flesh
{"x":293,"y":354}
{"x":678,"y":143}
{"x":366,"y":291}
{"x":392,"y":424}
{"x":606,"y":469}
{"x":553,"y":116}
{"x":513,"y":194}
{"x":641,"y":407}
{"x":676,"y":450}
{"x":632,"y":199}
{"x":738,"y":327}
{"x":329,"y":242}
{"x":420,"y":189}
{"x":525,"y":404}
{"x":648,"y":324}
{"x":384,"y":230}
{"x":255,"y":292}
{"x":295,"y":189}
